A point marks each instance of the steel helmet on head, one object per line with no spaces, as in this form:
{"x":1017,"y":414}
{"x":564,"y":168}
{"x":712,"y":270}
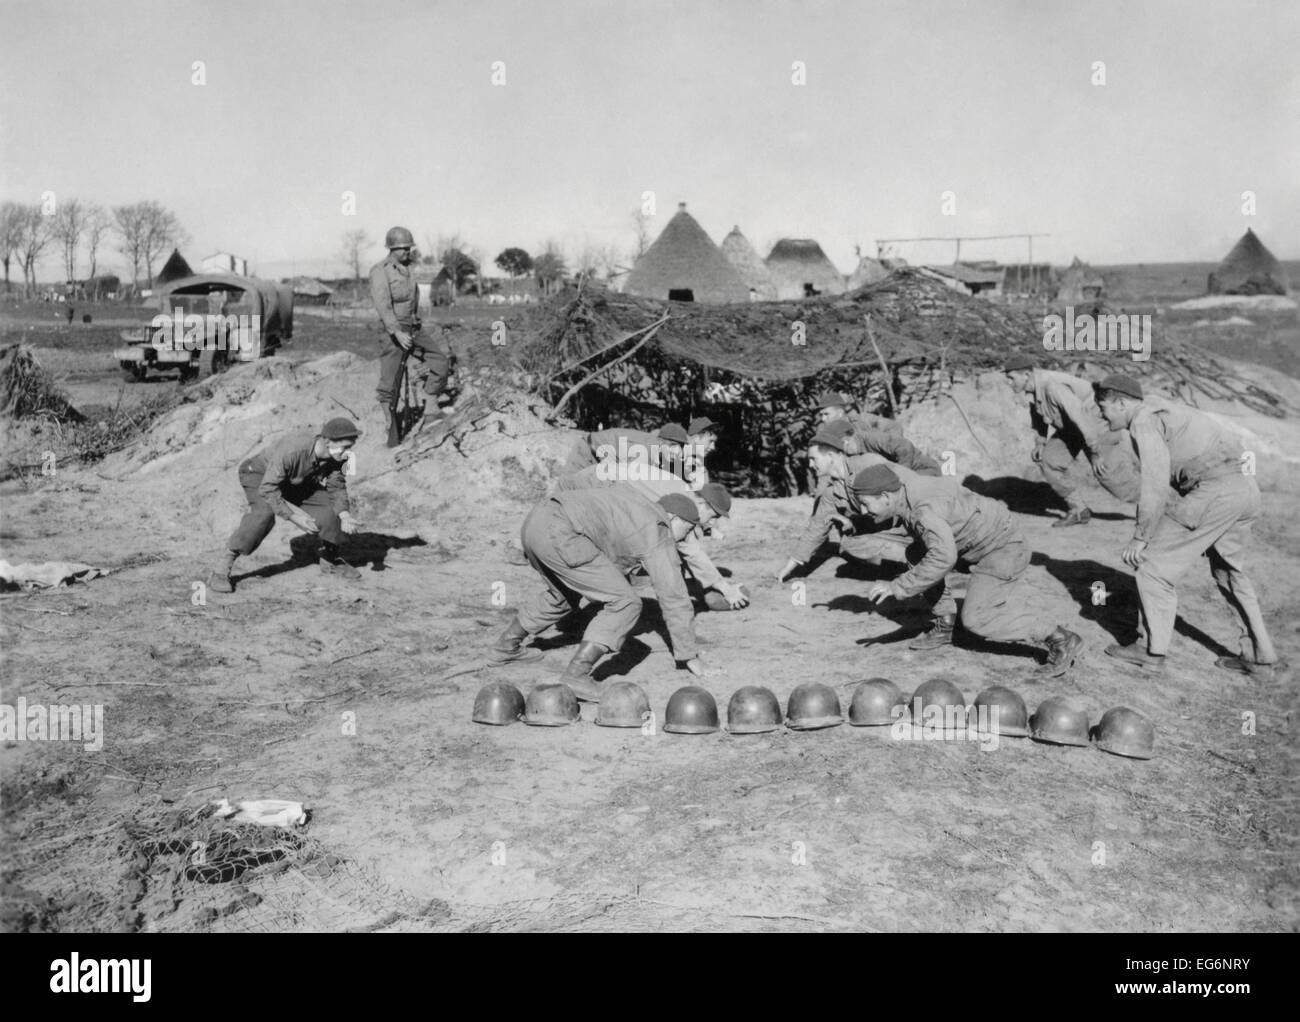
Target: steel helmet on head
{"x":1126,"y":732}
{"x":691,"y":711}
{"x":398,"y":237}
{"x":874,"y":703}
{"x":753,"y":710}
{"x":1011,"y":719}
{"x":551,"y":706}
{"x":947,"y":697}
{"x":498,"y":703}
{"x":813,"y":705}
{"x":1059,"y":721}
{"x":623,"y":704}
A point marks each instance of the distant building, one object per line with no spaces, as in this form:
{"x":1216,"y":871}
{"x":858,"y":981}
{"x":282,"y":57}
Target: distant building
{"x":224,"y":262}
{"x":802,"y":270}
{"x":974,"y":280}
{"x":1080,"y":283}
{"x":1249,"y":269}
{"x":310,"y":291}
{"x":173,"y":269}
{"x":749,"y":264}
{"x":685,"y":265}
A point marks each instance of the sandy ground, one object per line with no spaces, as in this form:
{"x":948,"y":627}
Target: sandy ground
{"x":587,"y":827}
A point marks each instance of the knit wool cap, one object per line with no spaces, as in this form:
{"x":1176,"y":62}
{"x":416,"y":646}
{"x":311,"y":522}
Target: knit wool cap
{"x":680,"y":505}
{"x":674,"y":434}
{"x":1018,"y":362}
{"x":717,"y":497}
{"x":832,"y":438}
{"x":830,"y":399}
{"x":701,"y":425}
{"x":875,"y":480}
{"x":1121,"y":385}
{"x":340,"y":429}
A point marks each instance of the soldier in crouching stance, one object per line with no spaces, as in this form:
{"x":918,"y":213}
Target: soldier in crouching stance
{"x":952,"y":522}
{"x":300,"y":478}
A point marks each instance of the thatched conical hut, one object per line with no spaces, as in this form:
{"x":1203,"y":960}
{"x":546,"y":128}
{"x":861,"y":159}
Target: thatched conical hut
{"x":684,"y":264}
{"x":802,"y":270}
{"x":749,"y":264}
{"x":1249,"y":269}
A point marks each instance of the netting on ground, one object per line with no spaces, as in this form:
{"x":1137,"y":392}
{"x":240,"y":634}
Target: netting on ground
{"x":171,"y":870}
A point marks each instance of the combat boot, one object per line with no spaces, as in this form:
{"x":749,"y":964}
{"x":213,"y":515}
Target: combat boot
{"x":219,"y":581}
{"x":1062,"y":650}
{"x":578,"y":674}
{"x":1136,"y":654}
{"x":510,"y":648}
{"x":940,"y":633}
{"x":1076,"y":516}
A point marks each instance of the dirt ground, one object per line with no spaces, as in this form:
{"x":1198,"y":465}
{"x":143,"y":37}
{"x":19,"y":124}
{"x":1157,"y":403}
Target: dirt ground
{"x":355,"y":699}
{"x":590,"y":827}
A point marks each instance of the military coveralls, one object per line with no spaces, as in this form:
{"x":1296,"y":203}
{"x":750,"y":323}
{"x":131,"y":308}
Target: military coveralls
{"x":289,"y":473}
{"x":893,"y":446}
{"x":952,"y":522}
{"x":397,"y":300}
{"x":1210,"y":512}
{"x":655,"y":485}
{"x":871,"y":541}
{"x":584,"y":543}
{"x":1066,"y":404}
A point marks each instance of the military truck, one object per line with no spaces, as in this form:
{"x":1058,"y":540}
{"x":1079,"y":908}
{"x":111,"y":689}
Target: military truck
{"x":207,"y":322}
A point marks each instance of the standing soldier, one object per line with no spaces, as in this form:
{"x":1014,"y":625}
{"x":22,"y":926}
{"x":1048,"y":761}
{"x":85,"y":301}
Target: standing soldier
{"x":952,"y":522}
{"x":584,"y":543}
{"x":301,"y":479}
{"x":1067,"y":423}
{"x":1209,"y":511}
{"x":397,"y":300}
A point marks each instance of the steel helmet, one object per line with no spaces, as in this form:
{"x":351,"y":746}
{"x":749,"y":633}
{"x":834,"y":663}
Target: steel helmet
{"x":623,"y":704}
{"x":691,"y":711}
{"x":551,"y":706}
{"x":1125,"y":732}
{"x":813,"y":705}
{"x":752,"y":710}
{"x":498,"y":703}
{"x":874,"y":701}
{"x":1059,"y":721}
{"x":1012,"y":718}
{"x":942,"y":693}
{"x":399,"y":237}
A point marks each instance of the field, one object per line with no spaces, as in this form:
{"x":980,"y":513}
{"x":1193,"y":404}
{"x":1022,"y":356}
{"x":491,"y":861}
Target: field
{"x":355,"y":700}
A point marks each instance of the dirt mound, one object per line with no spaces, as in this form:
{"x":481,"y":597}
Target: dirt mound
{"x":182,"y":473}
{"x":986,"y":430}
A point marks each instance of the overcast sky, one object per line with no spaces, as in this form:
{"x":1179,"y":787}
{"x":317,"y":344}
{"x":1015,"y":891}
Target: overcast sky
{"x":692,"y":100}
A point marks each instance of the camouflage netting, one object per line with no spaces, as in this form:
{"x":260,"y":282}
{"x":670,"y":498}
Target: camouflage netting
{"x":168,"y":869}
{"x":892,"y":345}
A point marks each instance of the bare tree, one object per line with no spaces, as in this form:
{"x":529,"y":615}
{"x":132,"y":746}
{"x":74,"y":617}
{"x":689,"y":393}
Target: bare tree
{"x":36,"y":230}
{"x":354,"y":243}
{"x":129,"y":221}
{"x":97,"y":225}
{"x":162,"y":231}
{"x":641,"y":225}
{"x":448,"y":251}
{"x":11,"y":215}
{"x":69,"y":225}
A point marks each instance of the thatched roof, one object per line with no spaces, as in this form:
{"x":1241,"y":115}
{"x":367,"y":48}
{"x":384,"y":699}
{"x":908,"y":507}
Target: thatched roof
{"x":869,"y":271}
{"x":749,"y":264}
{"x":1080,"y":282}
{"x":684,"y":258}
{"x":796,"y":262}
{"x":1249,"y":269}
{"x":173,"y":269}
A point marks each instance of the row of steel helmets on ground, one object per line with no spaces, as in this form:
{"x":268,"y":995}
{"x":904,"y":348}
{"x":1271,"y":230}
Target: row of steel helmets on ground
{"x":876,"y":702}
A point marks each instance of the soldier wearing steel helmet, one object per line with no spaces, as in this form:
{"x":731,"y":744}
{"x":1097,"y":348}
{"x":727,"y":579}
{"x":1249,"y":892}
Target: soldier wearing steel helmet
{"x":397,"y":300}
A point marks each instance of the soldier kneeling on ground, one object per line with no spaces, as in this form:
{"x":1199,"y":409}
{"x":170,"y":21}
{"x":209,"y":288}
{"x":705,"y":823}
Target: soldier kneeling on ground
{"x":300,"y":478}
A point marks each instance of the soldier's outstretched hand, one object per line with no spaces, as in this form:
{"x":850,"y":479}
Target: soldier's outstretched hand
{"x":880,"y":591}
{"x":1133,"y":552}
